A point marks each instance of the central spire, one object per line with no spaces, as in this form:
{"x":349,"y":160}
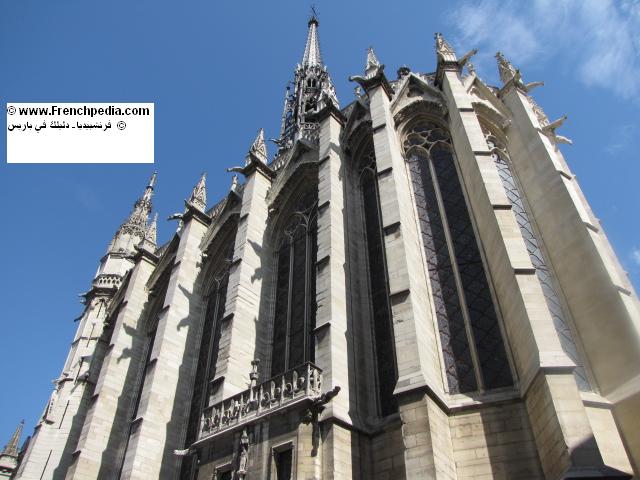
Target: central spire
{"x":312,"y":87}
{"x":312,"y":48}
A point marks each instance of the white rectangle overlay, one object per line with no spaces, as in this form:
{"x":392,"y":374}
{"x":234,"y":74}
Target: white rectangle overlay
{"x":80,"y":132}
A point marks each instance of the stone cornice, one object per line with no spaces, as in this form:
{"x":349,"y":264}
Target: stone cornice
{"x":446,"y":66}
{"x":143,"y":253}
{"x":377,"y":80}
{"x":192,"y":212}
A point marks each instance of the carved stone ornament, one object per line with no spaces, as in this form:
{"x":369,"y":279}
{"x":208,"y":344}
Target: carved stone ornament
{"x":444,"y":51}
{"x":198,"y":196}
{"x":373,"y":65}
{"x":259,"y":147}
{"x":243,"y":455}
{"x":511,"y":76}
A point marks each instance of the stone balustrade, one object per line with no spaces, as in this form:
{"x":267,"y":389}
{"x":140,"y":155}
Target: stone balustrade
{"x":107,"y":281}
{"x":280,"y":392}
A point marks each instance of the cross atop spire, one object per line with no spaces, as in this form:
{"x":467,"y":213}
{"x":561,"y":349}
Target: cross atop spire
{"x":11,"y":448}
{"x":312,"y":48}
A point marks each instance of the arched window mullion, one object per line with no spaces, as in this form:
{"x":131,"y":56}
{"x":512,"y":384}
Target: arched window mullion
{"x":458,"y":281}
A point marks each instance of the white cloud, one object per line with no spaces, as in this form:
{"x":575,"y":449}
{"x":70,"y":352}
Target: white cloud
{"x":598,"y":39}
{"x":635,"y":256}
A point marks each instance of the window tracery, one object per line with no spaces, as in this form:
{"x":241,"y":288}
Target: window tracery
{"x":501,"y":158}
{"x":295,"y":298}
{"x":473,"y":349}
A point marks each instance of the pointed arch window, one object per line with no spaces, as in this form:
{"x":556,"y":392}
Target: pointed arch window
{"x":295,"y":302}
{"x":378,"y":285}
{"x":473,"y":349}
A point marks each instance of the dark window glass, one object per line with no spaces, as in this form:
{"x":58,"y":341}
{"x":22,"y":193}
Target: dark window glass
{"x":298,"y":300}
{"x":279,"y":354}
{"x":463,"y":303}
{"x":295,"y":305}
{"x":284,"y":461}
{"x":453,"y":337}
{"x":382,"y":328}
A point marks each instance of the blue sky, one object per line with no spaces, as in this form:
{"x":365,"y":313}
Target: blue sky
{"x":216,"y":72}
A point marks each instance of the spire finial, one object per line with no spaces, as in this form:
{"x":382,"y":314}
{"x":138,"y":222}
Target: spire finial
{"x":143,"y":206}
{"x":444,"y":51}
{"x":151,"y":235}
{"x":149,"y":241}
{"x":132,"y":231}
{"x":259,"y":147}
{"x":506,"y":70}
{"x":198,"y":196}
{"x":148,"y":192}
{"x":11,"y":448}
{"x":372,"y":66}
{"x":312,"y":48}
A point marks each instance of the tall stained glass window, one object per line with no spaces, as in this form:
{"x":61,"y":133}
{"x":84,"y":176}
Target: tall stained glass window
{"x":295,"y":306}
{"x":472,"y":343}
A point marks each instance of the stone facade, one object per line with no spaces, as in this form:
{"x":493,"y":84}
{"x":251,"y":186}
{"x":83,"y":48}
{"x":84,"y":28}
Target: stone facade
{"x":412,"y":287}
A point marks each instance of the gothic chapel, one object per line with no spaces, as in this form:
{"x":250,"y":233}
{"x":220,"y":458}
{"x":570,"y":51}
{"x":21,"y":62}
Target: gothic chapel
{"x":413,"y":287}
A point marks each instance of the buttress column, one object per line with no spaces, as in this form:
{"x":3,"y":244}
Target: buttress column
{"x":162,"y":419}
{"x":600,"y":297}
{"x":428,"y":446}
{"x":107,"y":426}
